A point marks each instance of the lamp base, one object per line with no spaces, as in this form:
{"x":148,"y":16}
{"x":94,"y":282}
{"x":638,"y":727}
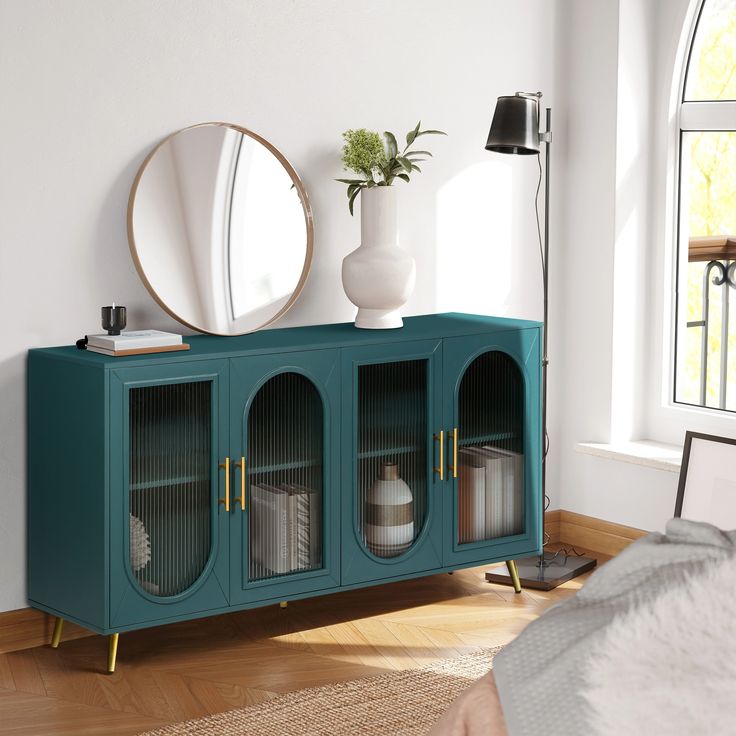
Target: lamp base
{"x":546,"y":577}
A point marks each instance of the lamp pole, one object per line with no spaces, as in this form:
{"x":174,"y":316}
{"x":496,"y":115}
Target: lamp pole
{"x":515,"y":130}
{"x":547,"y":137}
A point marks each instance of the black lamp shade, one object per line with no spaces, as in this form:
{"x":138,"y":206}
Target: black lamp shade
{"x":515,"y":126}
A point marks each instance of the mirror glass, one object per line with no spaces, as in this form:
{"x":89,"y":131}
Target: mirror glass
{"x":220,"y":229}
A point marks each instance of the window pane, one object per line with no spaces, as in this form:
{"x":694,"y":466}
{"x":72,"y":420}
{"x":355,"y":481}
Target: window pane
{"x":711,"y":74}
{"x":706,"y":324}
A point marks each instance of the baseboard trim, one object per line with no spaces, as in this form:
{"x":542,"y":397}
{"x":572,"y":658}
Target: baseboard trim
{"x":552,"y":521}
{"x":596,"y":535}
{"x":27,"y":627}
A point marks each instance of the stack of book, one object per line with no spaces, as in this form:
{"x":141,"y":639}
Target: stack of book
{"x":285,"y":528}
{"x":136,"y":342}
{"x":490,"y":493}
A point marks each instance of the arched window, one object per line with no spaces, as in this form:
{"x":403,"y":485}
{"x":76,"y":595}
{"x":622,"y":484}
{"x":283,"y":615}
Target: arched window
{"x":705,"y":355}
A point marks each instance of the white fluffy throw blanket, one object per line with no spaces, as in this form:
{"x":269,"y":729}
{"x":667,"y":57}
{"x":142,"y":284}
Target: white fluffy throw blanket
{"x":670,"y":667}
{"x":646,"y":648}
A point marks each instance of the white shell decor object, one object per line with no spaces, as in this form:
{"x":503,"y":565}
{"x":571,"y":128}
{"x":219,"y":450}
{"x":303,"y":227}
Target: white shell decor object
{"x":378,"y":276}
{"x":389,"y":514}
{"x":140,"y":544}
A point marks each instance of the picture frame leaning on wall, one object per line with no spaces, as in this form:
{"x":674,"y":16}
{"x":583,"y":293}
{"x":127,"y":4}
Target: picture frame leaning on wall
{"x":707,"y":486}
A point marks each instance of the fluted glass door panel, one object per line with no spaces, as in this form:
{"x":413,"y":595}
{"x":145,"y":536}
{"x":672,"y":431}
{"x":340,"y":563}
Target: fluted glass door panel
{"x":392,"y":455}
{"x":285,"y":478}
{"x":490,"y":449}
{"x":169,"y":520}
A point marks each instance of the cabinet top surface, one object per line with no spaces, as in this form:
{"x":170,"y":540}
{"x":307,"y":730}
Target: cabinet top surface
{"x":428,"y":326}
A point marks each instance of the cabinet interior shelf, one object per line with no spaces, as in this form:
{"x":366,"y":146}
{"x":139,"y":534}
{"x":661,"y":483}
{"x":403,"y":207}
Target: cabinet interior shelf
{"x":148,"y":485}
{"x":297,"y":464}
{"x":292,"y":465}
{"x":483,"y":438}
{"x":387,"y":451}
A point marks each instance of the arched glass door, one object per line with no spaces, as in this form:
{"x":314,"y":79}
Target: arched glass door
{"x":170,"y":512}
{"x":284,"y":414}
{"x":490,"y":455}
{"x":391,"y":499}
{"x":285,"y":476}
{"x":392,"y":455}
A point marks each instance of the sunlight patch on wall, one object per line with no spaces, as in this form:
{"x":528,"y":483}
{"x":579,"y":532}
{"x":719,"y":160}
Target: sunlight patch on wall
{"x":474,"y":243}
{"x":629,"y":128}
{"x":627,"y":314}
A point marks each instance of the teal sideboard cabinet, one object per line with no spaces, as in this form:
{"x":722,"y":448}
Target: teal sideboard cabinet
{"x":278,"y":465}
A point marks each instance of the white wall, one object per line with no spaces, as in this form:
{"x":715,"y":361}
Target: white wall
{"x":89,"y":86}
{"x":582,"y":244}
{"x":617,"y":80}
{"x":606,"y":81}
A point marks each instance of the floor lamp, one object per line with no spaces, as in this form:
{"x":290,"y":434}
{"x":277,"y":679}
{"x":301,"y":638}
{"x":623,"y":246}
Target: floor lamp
{"x":515,"y":129}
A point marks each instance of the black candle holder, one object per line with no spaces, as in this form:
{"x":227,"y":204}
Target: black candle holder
{"x":114,"y":319}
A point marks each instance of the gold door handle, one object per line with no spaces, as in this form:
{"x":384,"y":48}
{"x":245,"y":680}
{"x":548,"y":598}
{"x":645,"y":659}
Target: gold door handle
{"x":241,"y":500}
{"x":226,"y":467}
{"x":441,"y":439}
{"x":454,"y":452}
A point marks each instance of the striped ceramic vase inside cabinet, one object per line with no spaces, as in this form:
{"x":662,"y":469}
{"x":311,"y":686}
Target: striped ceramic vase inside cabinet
{"x":389,"y":514}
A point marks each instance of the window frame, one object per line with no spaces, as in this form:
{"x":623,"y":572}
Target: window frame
{"x":694,"y":116}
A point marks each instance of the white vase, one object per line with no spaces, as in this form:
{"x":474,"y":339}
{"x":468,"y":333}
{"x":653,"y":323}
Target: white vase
{"x":378,"y":276}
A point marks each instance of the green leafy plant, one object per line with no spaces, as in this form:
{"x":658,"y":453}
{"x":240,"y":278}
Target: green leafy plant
{"x":378,"y":160}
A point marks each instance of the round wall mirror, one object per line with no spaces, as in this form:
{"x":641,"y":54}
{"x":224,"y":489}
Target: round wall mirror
{"x":220,"y":229}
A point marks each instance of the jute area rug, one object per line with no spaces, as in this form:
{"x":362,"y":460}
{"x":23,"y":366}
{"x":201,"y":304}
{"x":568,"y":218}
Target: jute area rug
{"x":403,"y":703}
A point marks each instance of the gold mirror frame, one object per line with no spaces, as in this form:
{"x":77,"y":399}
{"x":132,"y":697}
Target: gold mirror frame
{"x":308,"y":221}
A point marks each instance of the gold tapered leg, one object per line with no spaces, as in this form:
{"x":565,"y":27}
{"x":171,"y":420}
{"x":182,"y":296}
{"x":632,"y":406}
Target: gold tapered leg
{"x":283,"y":604}
{"x":112,"y":653}
{"x":56,"y":636}
{"x":514,"y":574}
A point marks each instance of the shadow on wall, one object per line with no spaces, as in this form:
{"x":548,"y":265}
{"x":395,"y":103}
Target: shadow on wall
{"x":330,"y":212}
{"x":112,"y":255}
{"x":13,"y":473}
{"x":337,"y":233}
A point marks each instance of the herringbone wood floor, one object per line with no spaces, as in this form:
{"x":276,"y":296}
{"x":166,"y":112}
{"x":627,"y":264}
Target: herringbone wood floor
{"x":173,"y":673}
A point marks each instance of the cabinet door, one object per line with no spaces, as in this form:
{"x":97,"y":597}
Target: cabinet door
{"x":284,"y":518}
{"x":168,"y":534}
{"x":493,"y":417}
{"x":391,"y":517}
